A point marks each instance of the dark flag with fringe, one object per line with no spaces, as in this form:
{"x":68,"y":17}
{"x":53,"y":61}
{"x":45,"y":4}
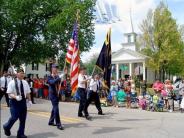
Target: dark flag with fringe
{"x":104,"y":60}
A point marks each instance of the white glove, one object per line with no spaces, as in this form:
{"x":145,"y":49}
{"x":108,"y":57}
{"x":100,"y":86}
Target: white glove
{"x":62,"y":76}
{"x":18,"y":97}
{"x":29,"y":104}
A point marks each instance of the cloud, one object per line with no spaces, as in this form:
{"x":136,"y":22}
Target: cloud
{"x":85,"y":57}
{"x":176,"y":0}
{"x":139,"y":11}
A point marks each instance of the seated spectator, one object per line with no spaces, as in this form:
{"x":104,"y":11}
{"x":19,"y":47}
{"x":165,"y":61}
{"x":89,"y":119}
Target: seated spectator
{"x":121,"y":95}
{"x":142,"y":102}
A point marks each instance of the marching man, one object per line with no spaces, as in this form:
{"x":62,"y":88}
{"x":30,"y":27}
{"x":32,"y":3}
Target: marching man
{"x":18,"y":90}
{"x":54,"y":82}
{"x":94,"y":86}
{"x":82,"y":90}
{"x":4,"y":81}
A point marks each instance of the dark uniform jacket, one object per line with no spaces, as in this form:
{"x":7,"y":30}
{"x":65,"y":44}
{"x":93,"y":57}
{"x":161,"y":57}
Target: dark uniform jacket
{"x":53,"y":87}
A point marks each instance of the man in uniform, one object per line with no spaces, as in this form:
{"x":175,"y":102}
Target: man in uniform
{"x":54,"y":82}
{"x":94,"y":87}
{"x":18,"y":90}
{"x":4,"y":80}
{"x":82,"y":85}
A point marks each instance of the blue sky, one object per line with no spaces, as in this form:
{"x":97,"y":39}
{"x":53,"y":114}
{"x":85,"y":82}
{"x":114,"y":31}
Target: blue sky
{"x":118,"y":13}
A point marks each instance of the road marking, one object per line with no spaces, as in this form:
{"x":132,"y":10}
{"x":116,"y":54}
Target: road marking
{"x":47,"y":115}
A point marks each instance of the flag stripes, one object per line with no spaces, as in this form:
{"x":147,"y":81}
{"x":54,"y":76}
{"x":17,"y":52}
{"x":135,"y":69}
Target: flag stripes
{"x":75,"y":60}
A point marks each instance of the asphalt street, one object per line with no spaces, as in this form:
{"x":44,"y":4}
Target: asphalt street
{"x":116,"y":123}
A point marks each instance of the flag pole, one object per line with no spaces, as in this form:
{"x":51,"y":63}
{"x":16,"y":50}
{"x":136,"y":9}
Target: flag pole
{"x":93,"y":70}
{"x":61,"y":77}
{"x":13,"y":71}
{"x":77,"y":19}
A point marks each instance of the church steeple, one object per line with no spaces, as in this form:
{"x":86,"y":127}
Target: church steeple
{"x":130,"y":38}
{"x":131,"y":20}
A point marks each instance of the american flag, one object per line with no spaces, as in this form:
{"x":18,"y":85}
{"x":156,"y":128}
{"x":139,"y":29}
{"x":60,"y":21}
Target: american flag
{"x":75,"y":59}
{"x":70,"y":51}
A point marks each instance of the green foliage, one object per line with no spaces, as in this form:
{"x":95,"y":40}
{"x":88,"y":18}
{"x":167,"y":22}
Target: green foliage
{"x":137,"y":81}
{"x":90,"y":64}
{"x":34,"y":30}
{"x":181,"y":29}
{"x":163,"y":41}
{"x":150,"y":91}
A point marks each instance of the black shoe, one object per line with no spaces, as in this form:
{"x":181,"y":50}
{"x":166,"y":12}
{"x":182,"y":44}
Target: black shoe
{"x":88,"y":118}
{"x":21,"y":136}
{"x":100,"y":113}
{"x":51,"y":124}
{"x":6,"y":131}
{"x":34,"y":103}
{"x":80,"y":115}
{"x":60,"y":127}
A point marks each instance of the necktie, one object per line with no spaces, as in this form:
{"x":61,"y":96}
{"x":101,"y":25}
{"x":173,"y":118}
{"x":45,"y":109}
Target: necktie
{"x":22,"y":90}
{"x":97,"y":85}
{"x":5,"y":86}
{"x":85,"y":82}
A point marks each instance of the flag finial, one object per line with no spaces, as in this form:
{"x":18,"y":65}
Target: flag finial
{"x":77,"y":14}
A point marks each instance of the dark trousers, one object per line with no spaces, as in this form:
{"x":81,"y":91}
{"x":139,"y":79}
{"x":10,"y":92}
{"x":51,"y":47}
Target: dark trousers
{"x":93,"y":96}
{"x":144,"y":93}
{"x":6,"y":96}
{"x":83,"y":98}
{"x":55,"y":113}
{"x":32,"y":95}
{"x":18,"y":110}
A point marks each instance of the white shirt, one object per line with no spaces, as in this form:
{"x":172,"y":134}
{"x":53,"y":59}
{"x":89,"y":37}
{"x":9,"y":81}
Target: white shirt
{"x":81,"y":78}
{"x":93,"y":85}
{"x":181,"y":89}
{"x":12,"y":89}
{"x":30,"y":84}
{"x":2,"y":81}
{"x":132,"y":87}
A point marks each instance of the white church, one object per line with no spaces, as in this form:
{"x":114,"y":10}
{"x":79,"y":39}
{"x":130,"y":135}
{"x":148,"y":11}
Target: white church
{"x":128,"y":62}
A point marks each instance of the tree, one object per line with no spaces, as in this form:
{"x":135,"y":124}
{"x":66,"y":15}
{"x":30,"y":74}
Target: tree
{"x":181,"y":29}
{"x":34,"y":30}
{"x":90,"y":64}
{"x":162,"y":41}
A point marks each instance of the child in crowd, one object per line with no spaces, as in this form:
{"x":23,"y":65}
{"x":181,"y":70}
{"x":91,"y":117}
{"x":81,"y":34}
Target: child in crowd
{"x":121,"y":96}
{"x":155,"y":101}
{"x":113,"y":91}
{"x":142,"y":102}
{"x":128,"y":93}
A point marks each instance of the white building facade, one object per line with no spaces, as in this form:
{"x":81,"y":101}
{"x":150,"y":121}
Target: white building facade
{"x":128,"y":62}
{"x":39,"y":70}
